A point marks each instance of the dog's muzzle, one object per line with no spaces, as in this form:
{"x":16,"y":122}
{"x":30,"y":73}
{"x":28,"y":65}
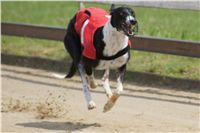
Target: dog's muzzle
{"x":130,"y":28}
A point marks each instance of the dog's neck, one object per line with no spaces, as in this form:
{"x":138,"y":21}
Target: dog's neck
{"x":114,"y":40}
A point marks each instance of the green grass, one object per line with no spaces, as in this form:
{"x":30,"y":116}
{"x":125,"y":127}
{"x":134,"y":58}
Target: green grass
{"x":165,"y":23}
{"x":34,"y":47}
{"x":44,"y":13}
{"x":152,"y":21}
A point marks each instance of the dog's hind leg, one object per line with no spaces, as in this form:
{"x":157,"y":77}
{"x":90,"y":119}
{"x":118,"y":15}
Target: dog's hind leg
{"x":73,"y":46}
{"x":72,"y":71}
{"x":87,"y":94}
{"x":90,"y":77}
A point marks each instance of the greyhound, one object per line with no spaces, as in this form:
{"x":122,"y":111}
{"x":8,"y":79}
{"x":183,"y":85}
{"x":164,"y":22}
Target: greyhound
{"x":96,"y":39}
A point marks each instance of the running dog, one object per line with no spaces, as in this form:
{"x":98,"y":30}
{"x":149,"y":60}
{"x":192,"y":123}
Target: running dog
{"x":96,"y":39}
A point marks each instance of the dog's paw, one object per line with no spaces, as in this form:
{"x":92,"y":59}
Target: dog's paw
{"x":93,"y":84}
{"x":91,"y":105}
{"x":111,"y":102}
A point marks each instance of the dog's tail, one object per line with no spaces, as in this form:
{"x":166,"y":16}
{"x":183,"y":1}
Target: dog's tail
{"x":70,"y":74}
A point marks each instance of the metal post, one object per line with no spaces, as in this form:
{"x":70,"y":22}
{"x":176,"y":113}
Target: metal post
{"x":81,"y":5}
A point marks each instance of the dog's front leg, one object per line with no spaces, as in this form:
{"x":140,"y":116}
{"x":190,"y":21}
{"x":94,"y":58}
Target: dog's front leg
{"x":120,"y":79}
{"x":112,"y":100}
{"x":86,"y":91}
{"x":106,"y":84}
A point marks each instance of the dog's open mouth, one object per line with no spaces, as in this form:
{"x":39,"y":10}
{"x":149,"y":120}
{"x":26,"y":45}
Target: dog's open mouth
{"x":130,"y":30}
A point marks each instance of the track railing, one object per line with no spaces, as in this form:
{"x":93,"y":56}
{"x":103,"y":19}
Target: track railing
{"x":143,"y":43}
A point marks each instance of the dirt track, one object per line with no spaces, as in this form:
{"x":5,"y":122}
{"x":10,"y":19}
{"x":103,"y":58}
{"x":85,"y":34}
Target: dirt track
{"x":34,"y":102}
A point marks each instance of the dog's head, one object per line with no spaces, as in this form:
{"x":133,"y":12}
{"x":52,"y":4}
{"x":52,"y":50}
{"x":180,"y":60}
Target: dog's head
{"x":123,"y":19}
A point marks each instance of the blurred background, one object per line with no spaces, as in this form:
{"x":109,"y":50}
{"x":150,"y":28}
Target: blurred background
{"x":180,"y":23}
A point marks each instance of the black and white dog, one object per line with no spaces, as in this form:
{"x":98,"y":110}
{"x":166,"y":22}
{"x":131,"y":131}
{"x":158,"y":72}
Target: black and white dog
{"x":112,"y":52}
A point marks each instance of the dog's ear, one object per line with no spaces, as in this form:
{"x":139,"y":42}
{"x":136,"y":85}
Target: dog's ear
{"x":112,"y":7}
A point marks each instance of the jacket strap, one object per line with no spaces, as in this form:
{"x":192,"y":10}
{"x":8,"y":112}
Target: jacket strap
{"x":118,"y":54}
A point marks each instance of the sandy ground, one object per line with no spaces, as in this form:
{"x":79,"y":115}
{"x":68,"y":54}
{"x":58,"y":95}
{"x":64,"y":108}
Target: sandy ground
{"x":32,"y":102}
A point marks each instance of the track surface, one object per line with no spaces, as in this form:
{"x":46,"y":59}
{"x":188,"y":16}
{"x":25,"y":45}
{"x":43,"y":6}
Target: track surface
{"x":139,"y":109}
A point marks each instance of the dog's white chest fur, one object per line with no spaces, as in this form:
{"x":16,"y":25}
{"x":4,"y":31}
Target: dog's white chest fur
{"x":114,"y":42}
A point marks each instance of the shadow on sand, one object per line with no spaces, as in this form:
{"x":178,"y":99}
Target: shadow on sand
{"x":64,"y":126}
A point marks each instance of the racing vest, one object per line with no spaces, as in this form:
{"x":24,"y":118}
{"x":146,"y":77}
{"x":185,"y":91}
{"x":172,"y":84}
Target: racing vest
{"x":88,"y":20}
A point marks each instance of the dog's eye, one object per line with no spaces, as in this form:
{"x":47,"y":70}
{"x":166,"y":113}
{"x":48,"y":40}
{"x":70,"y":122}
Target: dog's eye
{"x":122,"y":14}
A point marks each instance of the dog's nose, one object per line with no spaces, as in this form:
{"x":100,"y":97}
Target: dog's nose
{"x":133,"y":22}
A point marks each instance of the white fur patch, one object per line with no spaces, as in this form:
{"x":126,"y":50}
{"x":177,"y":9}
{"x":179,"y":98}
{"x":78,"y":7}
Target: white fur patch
{"x":129,"y":18}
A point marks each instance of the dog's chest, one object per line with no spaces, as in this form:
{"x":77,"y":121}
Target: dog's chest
{"x":116,"y":63}
{"x":114,"y":42}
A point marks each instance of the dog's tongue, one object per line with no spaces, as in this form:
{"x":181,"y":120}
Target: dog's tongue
{"x":131,"y":29}
{"x":130,"y":32}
